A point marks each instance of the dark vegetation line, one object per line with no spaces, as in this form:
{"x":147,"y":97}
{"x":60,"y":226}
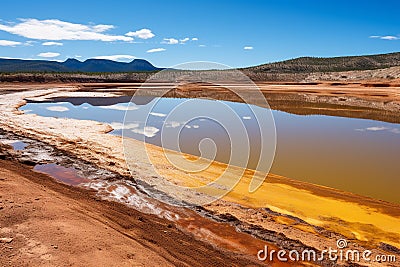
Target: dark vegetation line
{"x":138,"y":70}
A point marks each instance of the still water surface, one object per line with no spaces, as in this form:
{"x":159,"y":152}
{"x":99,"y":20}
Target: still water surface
{"x":355,"y":155}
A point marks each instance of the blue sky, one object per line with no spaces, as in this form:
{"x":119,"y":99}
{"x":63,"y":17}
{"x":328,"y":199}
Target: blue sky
{"x":235,"y":33}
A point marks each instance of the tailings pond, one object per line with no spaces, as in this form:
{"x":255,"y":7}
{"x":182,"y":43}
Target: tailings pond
{"x":350,"y":154}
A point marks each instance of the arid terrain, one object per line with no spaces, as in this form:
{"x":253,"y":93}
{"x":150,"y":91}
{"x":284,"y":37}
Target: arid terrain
{"x":53,"y":224}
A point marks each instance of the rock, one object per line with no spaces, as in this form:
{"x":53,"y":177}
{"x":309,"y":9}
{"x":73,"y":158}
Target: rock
{"x":27,"y":161}
{"x":6,"y":240}
{"x":389,"y":248}
{"x":228,"y":217}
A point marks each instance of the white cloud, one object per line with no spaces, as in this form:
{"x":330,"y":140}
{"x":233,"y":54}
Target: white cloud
{"x":102,"y":27}
{"x":180,"y":41}
{"x":386,"y":37}
{"x":246,"y":117}
{"x":248,"y":48}
{"x":52,"y":44}
{"x":48,"y":54}
{"x":158,"y":114}
{"x":395,"y":130}
{"x":29,"y":43}
{"x":142,"y":34}
{"x":188,"y":126}
{"x":56,"y":30}
{"x":116,"y":57}
{"x":202,"y":45}
{"x":196,"y":126}
{"x":389,"y":37}
{"x":184,"y":40}
{"x":23,"y":58}
{"x":155,"y":50}
{"x":170,"y":41}
{"x":148,"y":131}
{"x":380,"y":128}
{"x":9,"y":43}
{"x":119,"y":107}
{"x":376,"y":128}
{"x":172,"y":124}
{"x":120,"y":126}
{"x":58,"y":108}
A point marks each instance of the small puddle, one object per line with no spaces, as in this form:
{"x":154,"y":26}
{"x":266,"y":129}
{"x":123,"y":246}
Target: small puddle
{"x":16,"y":144}
{"x":66,"y":175}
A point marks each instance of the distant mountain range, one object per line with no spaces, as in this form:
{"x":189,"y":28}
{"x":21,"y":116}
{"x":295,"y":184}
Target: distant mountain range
{"x":74,"y":65}
{"x":298,"y":66}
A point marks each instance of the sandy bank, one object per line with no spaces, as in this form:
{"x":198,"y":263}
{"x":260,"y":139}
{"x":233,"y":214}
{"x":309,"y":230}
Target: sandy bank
{"x":52,"y":224}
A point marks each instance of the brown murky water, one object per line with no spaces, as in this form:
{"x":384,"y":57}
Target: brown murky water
{"x":350,"y":154}
{"x":355,"y":155}
{"x":66,"y":175}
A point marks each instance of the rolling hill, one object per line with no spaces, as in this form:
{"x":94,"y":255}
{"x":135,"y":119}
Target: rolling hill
{"x":333,"y":64}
